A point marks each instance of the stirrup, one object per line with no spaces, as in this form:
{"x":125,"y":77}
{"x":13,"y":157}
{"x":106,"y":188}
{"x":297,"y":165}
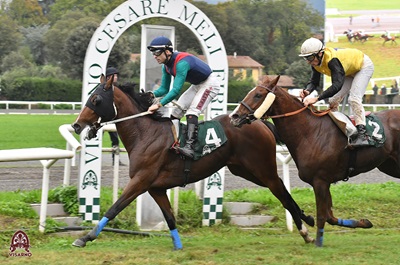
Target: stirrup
{"x":188,"y":152}
{"x":359,"y":142}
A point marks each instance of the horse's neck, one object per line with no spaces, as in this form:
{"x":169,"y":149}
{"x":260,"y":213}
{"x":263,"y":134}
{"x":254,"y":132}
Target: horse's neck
{"x":136,"y":133}
{"x":297,"y":127}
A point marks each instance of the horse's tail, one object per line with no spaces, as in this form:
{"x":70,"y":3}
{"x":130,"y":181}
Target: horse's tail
{"x":274,"y":131}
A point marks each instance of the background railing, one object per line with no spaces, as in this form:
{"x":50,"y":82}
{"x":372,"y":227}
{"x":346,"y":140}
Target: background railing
{"x":9,"y":105}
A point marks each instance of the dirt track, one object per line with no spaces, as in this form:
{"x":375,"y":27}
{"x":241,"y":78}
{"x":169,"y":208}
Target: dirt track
{"x":28,"y":176}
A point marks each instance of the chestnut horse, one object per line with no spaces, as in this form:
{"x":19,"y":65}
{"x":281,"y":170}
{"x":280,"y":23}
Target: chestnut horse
{"x":318,"y":146}
{"x":153,"y":167}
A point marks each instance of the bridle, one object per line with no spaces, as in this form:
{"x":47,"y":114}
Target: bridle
{"x":108,"y":98}
{"x":249,"y":118}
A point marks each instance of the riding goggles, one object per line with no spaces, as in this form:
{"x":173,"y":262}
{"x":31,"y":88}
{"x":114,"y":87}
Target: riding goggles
{"x":309,"y":58}
{"x":157,"y":52}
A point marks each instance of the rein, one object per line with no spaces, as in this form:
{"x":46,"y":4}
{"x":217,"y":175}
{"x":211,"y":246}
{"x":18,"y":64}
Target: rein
{"x":313,"y":110}
{"x":91,"y":133}
{"x":126,"y":118}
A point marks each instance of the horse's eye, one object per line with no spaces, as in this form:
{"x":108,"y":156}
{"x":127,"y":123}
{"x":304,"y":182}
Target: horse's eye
{"x":258,"y":95}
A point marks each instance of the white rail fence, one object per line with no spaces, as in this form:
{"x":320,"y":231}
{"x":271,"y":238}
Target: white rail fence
{"x":8,"y":104}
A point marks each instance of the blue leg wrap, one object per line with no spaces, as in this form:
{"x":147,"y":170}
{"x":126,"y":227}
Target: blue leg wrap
{"x":101,"y":225}
{"x":176,"y":239}
{"x":347,"y":223}
{"x":321,"y":233}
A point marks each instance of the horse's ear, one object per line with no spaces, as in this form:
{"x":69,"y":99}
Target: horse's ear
{"x":109,"y":82}
{"x":274,"y":82}
{"x":102,"y":79}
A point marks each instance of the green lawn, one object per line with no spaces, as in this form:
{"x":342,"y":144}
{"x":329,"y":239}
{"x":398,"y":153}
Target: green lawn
{"x":227,"y":244}
{"x":363,"y":5}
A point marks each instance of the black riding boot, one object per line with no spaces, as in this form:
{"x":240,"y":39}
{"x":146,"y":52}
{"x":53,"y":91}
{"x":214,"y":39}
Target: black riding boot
{"x":191,"y":137}
{"x":361,"y":139}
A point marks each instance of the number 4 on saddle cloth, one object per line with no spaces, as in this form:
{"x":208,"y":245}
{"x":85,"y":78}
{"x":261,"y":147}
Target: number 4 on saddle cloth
{"x":374,"y":127}
{"x":210,"y":136}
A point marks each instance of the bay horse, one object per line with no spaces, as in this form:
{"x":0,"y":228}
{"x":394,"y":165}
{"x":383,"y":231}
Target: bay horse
{"x":386,"y":39}
{"x":318,"y":146}
{"x":361,"y":37}
{"x":153,"y":167}
{"x":349,"y":35}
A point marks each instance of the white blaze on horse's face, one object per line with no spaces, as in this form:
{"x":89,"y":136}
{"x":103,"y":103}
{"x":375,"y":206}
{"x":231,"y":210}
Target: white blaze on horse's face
{"x":234,"y":111}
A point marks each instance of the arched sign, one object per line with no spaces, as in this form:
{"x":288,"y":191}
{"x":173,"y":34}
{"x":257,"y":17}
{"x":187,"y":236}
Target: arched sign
{"x":100,"y":46}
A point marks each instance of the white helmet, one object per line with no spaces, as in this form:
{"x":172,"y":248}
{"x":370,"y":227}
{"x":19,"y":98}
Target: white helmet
{"x":311,"y":46}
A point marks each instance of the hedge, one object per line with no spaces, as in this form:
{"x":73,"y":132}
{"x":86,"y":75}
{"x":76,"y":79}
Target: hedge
{"x":44,"y":89}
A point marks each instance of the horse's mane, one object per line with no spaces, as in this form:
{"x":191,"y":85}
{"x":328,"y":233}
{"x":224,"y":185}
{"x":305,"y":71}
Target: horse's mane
{"x":143,"y":99}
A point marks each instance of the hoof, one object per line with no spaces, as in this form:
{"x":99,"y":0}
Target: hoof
{"x":177,"y":249}
{"x":79,"y":243}
{"x":306,"y":237}
{"x":365,"y":223}
{"x":310,"y":221}
{"x":318,"y":244}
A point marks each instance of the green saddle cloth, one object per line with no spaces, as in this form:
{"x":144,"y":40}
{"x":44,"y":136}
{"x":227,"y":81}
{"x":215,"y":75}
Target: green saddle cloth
{"x":210,"y":136}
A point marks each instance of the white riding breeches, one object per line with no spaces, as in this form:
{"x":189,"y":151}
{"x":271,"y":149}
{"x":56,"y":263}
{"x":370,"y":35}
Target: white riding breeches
{"x":196,"y":98}
{"x":355,"y":86}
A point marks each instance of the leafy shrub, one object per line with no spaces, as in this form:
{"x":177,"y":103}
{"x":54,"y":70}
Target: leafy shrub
{"x":67,"y":196}
{"x":190,"y":212}
{"x":17,"y":209}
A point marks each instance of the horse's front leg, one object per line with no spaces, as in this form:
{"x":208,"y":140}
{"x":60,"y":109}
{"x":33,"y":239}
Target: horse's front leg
{"x":131,"y":192}
{"x":323,"y":201}
{"x":277,"y":188}
{"x":160,"y":196}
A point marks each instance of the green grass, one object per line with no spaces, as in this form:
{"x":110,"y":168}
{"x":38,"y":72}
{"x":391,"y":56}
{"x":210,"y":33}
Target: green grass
{"x":227,"y":244}
{"x":27,"y":131}
{"x":364,"y":5}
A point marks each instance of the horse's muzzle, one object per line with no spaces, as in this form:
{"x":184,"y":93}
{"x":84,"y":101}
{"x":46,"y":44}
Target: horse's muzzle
{"x":77,"y":128}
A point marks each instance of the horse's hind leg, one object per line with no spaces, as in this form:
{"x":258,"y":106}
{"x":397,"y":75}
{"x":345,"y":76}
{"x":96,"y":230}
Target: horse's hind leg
{"x":160,"y":196}
{"x":129,"y":194}
{"x":363,"y":223}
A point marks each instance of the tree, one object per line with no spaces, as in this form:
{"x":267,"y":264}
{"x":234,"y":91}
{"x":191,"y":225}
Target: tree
{"x":75,"y":49}
{"x":34,"y":39}
{"x":15,"y":59}
{"x":27,"y":12}
{"x":300,"y":71}
{"x":56,"y":36}
{"x":88,"y":7}
{"x":10,"y":36}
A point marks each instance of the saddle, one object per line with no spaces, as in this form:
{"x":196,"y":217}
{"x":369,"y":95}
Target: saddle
{"x":374,"y":127}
